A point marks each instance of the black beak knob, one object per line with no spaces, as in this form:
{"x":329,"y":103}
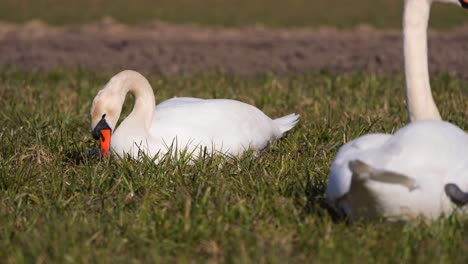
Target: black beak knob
{"x":96,"y":133}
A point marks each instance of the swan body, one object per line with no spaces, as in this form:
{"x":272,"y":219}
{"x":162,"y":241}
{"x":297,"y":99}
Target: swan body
{"x":421,"y":158}
{"x":181,"y":124}
{"x":422,"y":169}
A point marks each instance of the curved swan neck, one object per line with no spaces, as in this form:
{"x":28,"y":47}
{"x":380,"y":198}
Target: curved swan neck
{"x":419,"y":99}
{"x":144,"y":105}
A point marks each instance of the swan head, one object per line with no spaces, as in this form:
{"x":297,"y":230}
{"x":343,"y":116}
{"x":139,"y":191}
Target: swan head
{"x":105,"y":113}
{"x":456,"y":185}
{"x":107,"y":105}
{"x":103,"y":121}
{"x":462,"y":3}
{"x":106,"y":108}
{"x":456,"y":194}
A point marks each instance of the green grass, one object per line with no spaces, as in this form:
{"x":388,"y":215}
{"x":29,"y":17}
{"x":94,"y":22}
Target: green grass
{"x":56,"y":205}
{"x":276,"y":13}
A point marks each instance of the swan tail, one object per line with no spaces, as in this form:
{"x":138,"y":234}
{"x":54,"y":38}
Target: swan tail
{"x":286,"y":123}
{"x":364,"y":172}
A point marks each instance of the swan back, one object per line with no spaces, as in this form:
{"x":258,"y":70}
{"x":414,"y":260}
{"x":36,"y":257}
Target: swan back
{"x":227,"y":125}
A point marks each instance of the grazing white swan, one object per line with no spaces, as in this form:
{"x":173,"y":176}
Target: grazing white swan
{"x":422,"y":169}
{"x":178,"y":124}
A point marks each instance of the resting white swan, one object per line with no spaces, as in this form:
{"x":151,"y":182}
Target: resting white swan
{"x":421,"y":170}
{"x":182,"y":124}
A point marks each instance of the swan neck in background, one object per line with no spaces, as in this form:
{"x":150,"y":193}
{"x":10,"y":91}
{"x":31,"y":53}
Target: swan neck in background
{"x":420,"y":103}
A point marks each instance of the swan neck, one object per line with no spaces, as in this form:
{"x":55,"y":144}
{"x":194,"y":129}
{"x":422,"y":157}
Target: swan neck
{"x":420,"y":103}
{"x":144,"y":104}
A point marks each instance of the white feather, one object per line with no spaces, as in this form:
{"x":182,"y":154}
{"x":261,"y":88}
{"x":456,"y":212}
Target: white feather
{"x":422,"y":157}
{"x":215,"y":125}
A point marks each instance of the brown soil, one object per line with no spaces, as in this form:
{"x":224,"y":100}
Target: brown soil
{"x":170,"y":49}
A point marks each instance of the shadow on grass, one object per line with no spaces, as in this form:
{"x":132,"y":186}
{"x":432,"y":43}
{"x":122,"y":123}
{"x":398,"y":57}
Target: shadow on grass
{"x":80,"y":156}
{"x":317,"y":203}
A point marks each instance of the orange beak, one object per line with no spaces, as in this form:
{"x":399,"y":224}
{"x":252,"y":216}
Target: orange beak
{"x":104,"y":141}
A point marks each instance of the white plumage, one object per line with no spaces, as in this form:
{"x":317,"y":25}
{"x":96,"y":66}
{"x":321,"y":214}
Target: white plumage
{"x":182,"y":124}
{"x":412,"y":173}
{"x":400,"y":176}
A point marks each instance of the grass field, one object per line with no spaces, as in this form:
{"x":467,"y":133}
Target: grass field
{"x":56,"y":205}
{"x":276,"y":13}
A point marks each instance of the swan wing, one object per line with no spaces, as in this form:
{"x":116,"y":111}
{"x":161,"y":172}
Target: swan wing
{"x":339,"y":179}
{"x":228,"y":125}
{"x":362,"y":172}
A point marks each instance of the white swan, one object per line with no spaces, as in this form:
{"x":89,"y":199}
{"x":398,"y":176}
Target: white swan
{"x":182,"y":124}
{"x":421,"y":170}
